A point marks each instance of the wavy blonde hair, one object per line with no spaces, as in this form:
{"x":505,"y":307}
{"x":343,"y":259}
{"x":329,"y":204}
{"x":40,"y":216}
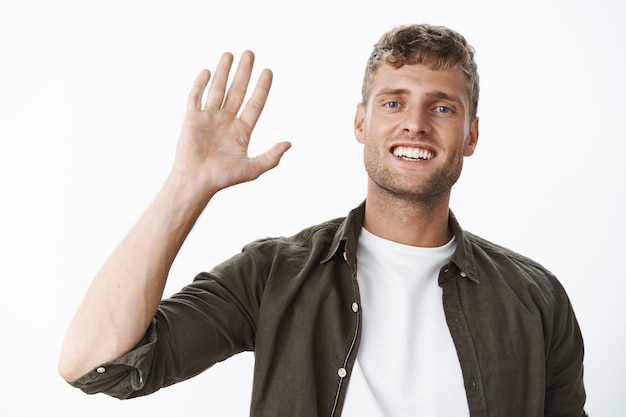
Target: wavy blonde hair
{"x":438,"y":46}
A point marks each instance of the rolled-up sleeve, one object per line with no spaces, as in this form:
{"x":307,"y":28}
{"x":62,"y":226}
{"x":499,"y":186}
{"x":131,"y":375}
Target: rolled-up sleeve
{"x":209,"y":320}
{"x":124,"y":376}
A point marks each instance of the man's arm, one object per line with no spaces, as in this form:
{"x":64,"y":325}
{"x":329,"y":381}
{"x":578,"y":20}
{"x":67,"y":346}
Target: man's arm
{"x":212,"y":154}
{"x":565,"y":388}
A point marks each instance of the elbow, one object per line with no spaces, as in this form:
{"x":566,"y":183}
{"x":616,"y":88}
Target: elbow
{"x":68,"y":370}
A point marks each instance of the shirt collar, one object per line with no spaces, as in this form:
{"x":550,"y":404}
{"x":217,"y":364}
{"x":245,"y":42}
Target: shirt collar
{"x":346,"y":237}
{"x":463,"y":257}
{"x":344,"y":243}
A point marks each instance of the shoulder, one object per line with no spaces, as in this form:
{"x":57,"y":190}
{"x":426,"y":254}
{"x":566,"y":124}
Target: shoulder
{"x":309,"y":245}
{"x":484,"y":248}
{"x":499,"y":265}
{"x":313,"y":236}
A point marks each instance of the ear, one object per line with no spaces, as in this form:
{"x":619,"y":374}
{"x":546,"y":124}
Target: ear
{"x":472,"y":139}
{"x":359,"y":123}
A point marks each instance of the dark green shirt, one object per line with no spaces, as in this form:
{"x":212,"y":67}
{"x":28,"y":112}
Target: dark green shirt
{"x":295,"y":303}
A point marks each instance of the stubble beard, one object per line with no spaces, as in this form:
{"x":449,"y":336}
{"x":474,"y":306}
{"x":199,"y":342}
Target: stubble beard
{"x":423,"y":191}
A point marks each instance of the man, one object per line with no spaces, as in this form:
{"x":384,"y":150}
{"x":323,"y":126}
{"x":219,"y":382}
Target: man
{"x":345,"y":318}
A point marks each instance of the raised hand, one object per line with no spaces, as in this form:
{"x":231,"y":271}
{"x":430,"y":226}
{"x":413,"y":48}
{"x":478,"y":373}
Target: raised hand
{"x":212,"y":154}
{"x":213,"y":146}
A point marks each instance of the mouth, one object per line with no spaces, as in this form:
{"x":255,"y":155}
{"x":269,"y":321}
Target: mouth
{"x":409,"y":153}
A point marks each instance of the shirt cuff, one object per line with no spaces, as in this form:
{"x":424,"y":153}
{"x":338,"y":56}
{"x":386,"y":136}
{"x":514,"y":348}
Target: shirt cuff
{"x":124,"y":377}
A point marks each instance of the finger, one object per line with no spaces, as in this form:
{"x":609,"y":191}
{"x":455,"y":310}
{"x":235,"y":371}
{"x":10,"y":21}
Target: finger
{"x":217,"y":89}
{"x":239,"y":86}
{"x":194,"y":99}
{"x":270,"y":159}
{"x":255,"y":104}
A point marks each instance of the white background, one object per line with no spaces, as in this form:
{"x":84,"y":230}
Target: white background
{"x":92,"y":95}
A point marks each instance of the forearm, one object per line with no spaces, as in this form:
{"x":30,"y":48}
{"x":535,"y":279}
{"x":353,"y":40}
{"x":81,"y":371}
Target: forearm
{"x":212,"y":154}
{"x":125,"y":294}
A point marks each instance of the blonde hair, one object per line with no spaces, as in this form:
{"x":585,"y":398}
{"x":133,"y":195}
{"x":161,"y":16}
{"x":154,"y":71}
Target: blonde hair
{"x":438,"y":46}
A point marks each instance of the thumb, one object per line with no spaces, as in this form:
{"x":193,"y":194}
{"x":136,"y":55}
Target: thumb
{"x":270,"y":159}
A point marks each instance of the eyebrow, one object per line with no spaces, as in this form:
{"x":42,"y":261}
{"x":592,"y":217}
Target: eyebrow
{"x":440,"y":95}
{"x":392,"y":92}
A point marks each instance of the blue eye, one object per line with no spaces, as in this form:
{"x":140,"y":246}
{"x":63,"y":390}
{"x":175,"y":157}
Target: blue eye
{"x":443,"y":109}
{"x":393,"y":104}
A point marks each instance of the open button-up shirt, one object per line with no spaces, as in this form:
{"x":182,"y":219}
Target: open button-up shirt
{"x":295,"y":302}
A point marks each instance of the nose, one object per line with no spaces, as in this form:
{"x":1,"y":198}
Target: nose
{"x":416,"y":121}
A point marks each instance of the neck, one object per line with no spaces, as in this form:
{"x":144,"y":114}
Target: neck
{"x":423,"y":224}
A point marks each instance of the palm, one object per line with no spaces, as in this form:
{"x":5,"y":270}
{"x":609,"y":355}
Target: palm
{"x":213,"y":146}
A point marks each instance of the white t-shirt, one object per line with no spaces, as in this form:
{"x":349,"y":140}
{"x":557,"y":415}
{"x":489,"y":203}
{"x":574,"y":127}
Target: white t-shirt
{"x":407,"y":364}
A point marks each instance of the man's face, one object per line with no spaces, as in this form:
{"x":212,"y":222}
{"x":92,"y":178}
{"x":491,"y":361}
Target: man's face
{"x":416,"y":130}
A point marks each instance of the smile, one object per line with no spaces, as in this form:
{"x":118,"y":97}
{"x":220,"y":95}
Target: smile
{"x":412,"y":154}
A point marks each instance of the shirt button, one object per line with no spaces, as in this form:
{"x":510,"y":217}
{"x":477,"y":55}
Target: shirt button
{"x":463,"y":274}
{"x":355,"y":307}
{"x":342,"y":372}
{"x":101,"y":370}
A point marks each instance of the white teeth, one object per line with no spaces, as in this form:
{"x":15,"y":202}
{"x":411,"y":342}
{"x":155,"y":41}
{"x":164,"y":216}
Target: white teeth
{"x":412,"y":153}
